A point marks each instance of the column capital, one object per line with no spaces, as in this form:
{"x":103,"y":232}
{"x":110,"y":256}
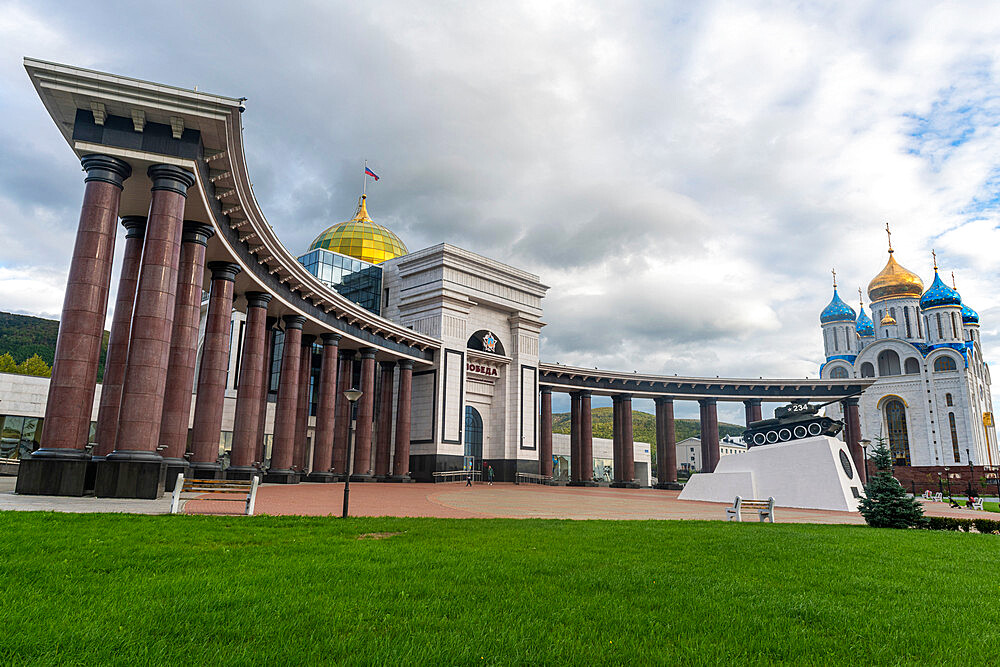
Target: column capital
{"x":347,"y":354}
{"x":585,"y":393}
{"x":368,"y":352}
{"x":406,"y":364}
{"x":661,"y":400}
{"x":625,"y":397}
{"x":135,"y":226}
{"x":710,"y":400}
{"x":545,"y":389}
{"x":308,"y":340}
{"x":197,"y":232}
{"x":331,"y":339}
{"x":751,"y":401}
{"x":258,"y":299}
{"x":293,"y":321}
{"x":170,"y":177}
{"x":107,"y":169}
{"x":387,"y":365}
{"x":224,"y":270}
{"x":850,"y":401}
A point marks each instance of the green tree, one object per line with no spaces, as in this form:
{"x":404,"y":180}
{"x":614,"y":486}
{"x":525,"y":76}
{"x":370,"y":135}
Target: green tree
{"x":7,"y":363}
{"x":886,"y":504}
{"x":34,"y":365}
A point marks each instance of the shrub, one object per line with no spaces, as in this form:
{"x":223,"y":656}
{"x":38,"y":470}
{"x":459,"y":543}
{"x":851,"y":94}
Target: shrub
{"x":886,"y":504}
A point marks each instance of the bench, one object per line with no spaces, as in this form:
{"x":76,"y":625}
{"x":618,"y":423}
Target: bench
{"x":939,"y":497}
{"x":245,"y":490}
{"x":764,"y":509}
{"x":977,"y":504}
{"x":927,"y":495}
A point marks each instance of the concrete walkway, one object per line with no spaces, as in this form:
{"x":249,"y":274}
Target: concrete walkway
{"x":453,"y":500}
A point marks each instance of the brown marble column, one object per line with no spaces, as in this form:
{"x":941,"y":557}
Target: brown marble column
{"x":176,"y":414}
{"x":302,"y":407}
{"x":575,"y":458}
{"x":283,"y":447}
{"x":342,"y":422}
{"x":586,"y":444}
{"x":401,"y":455}
{"x":265,"y":391}
{"x":212,"y":373}
{"x":366,"y":409}
{"x":121,"y":325}
{"x":852,"y":435}
{"x":666,"y":444}
{"x":616,"y":439}
{"x":545,"y":434}
{"x":709,"y":434}
{"x":135,"y":469}
{"x":383,"y":438}
{"x":325,"y":410}
{"x":752,"y":410}
{"x":703,"y":437}
{"x":59,"y":466}
{"x":246,"y":424}
{"x":627,"y":445}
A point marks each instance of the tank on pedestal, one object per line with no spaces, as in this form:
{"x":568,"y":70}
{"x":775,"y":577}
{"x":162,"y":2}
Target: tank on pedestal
{"x":795,"y":421}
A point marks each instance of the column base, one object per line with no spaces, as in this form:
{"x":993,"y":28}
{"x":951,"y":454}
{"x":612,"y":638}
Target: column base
{"x":203,"y":470}
{"x":242,"y":473}
{"x":281,"y":477}
{"x":131,"y":475}
{"x":53,"y":472}
{"x":671,"y":486}
{"x":583,"y":482}
{"x":396,"y":479}
{"x":321,"y":477}
{"x":362,"y":478}
{"x":175,"y":467}
{"x":624,"y":485}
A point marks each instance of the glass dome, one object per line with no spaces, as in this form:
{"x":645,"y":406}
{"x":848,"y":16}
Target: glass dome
{"x":361,"y":238}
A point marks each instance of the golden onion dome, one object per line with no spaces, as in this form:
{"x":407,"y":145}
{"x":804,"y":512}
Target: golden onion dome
{"x":887,"y":320}
{"x":894,"y":281}
{"x":361,"y":238}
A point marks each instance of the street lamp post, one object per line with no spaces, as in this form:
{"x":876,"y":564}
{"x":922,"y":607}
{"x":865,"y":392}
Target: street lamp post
{"x":864,"y":446}
{"x":947,"y":479}
{"x":972,"y":473}
{"x":351,"y":395}
{"x":940,"y":485}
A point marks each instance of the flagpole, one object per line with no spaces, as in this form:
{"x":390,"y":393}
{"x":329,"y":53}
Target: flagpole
{"x":364,"y":186}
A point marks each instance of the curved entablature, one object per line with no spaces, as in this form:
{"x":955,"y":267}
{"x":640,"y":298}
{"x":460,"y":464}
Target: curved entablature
{"x":610,"y":383}
{"x":144,"y":124}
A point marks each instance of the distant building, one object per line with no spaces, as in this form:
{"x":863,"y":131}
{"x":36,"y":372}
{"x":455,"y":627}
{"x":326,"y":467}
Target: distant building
{"x":689,"y":451}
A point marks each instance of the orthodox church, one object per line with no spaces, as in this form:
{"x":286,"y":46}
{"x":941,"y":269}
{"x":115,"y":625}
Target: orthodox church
{"x":931,"y":401}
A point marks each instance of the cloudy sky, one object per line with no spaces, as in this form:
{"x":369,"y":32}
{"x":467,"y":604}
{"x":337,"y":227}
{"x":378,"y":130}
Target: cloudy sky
{"x":683,"y":175}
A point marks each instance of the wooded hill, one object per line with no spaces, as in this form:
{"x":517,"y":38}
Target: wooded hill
{"x":643,"y":426}
{"x":23,"y":336}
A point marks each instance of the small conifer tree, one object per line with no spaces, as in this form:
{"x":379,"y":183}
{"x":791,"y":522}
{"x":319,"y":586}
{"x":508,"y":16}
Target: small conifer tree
{"x":886,"y":504}
{"x":7,"y":363}
{"x":34,"y":365}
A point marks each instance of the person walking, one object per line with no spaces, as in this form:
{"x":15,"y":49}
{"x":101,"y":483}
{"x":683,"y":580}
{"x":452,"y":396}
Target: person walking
{"x":468,"y":478}
{"x":489,"y":475}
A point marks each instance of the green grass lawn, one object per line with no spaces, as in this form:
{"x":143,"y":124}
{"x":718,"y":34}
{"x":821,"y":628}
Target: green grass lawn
{"x":187,"y":590}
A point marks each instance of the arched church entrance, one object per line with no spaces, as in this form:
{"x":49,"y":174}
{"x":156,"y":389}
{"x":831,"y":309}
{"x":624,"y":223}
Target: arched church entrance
{"x":899,"y":439}
{"x":473,"y":438}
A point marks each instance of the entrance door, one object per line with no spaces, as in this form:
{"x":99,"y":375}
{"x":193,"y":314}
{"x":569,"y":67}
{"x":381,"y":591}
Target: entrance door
{"x":473,"y":435}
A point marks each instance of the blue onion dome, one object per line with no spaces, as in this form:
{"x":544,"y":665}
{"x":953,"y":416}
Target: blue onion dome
{"x":939,"y":294}
{"x":864,"y":326}
{"x":837,"y":311}
{"x":969,"y":316}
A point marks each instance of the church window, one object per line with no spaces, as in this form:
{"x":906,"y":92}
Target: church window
{"x":954,"y":437}
{"x":954,"y":325}
{"x":836,"y":344}
{"x":944,"y":363}
{"x":892,"y":313}
{"x":867,"y":370}
{"x":906,"y":316}
{"x":912,"y":366}
{"x":888,"y":363}
{"x":920,"y":334}
{"x":940,"y":330}
{"x":948,"y":399}
{"x":839,"y":373}
{"x":899,"y":440}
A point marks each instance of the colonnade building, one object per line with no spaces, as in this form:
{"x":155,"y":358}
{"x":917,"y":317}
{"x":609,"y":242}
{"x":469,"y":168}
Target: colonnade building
{"x":216,"y":324}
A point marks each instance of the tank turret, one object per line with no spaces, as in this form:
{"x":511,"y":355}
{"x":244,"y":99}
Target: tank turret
{"x":795,"y":421}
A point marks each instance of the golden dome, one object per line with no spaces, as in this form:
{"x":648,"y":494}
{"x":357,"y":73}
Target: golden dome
{"x":887,"y":320}
{"x":894,"y":281}
{"x":361,"y":238}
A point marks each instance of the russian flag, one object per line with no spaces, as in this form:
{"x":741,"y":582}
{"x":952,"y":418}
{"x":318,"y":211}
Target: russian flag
{"x":369,"y":172}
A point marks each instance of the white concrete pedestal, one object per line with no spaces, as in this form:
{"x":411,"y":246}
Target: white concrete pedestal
{"x":815,"y":473}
